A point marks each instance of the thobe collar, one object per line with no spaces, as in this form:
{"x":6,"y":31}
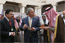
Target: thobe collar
{"x":62,"y":17}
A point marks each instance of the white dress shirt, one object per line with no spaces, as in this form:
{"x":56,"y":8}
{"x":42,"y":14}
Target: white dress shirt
{"x":30,"y":20}
{"x":62,"y":17}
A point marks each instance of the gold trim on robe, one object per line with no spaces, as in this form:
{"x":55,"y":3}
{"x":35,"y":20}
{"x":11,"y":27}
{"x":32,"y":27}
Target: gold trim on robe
{"x":55,"y":28}
{"x":48,"y":36}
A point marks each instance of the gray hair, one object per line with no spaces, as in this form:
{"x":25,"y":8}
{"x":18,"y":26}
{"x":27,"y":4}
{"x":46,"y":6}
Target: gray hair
{"x":28,"y":10}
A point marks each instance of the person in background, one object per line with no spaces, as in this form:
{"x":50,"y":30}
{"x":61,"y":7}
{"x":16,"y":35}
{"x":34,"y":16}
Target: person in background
{"x":19,"y":20}
{"x":1,"y":17}
{"x":30,"y":25}
{"x":45,"y":34}
{"x":17,"y":32}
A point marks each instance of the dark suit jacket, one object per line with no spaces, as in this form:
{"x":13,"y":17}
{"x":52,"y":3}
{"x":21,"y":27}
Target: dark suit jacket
{"x":5,"y":29}
{"x":31,"y":35}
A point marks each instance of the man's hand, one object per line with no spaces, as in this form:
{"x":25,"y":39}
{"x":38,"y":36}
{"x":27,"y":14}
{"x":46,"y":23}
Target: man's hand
{"x":33,"y":29}
{"x":25,"y":26}
{"x":11,"y":33}
{"x":42,"y":25}
{"x":46,"y":28}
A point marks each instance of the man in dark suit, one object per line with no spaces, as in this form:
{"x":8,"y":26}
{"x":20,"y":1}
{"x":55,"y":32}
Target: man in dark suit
{"x":7,"y":27}
{"x":30,"y":25}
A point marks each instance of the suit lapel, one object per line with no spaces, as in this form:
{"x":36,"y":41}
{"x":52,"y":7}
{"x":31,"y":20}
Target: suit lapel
{"x":27,"y":21}
{"x":6,"y":22}
{"x":32,"y":21}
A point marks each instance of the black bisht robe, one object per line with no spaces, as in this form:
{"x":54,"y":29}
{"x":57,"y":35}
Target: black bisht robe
{"x":59,"y":30}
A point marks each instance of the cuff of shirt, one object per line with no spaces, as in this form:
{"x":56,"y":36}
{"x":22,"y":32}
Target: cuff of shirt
{"x":34,"y":29}
{"x":9,"y":33}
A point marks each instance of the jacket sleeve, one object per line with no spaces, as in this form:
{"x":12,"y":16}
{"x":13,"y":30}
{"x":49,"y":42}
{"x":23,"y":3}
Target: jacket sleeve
{"x":22,"y":24}
{"x":3,"y":32}
{"x":38,"y":25}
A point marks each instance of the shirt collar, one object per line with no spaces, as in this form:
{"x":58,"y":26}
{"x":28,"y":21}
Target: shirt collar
{"x":29,"y":17}
{"x":7,"y":18}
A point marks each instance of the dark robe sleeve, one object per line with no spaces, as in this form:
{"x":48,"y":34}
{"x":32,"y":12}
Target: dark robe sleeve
{"x":60,"y":30}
